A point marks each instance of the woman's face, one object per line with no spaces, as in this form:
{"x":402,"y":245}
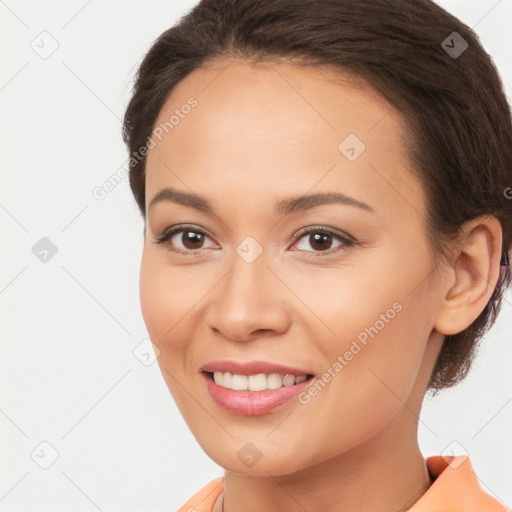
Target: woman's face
{"x":356,"y":312}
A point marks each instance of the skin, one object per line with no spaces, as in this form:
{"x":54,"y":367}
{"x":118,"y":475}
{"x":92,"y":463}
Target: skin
{"x":260,"y":134}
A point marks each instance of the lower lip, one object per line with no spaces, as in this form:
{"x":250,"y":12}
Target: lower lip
{"x":252,"y":403}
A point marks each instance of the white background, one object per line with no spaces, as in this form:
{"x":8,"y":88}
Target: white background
{"x":69,"y":326}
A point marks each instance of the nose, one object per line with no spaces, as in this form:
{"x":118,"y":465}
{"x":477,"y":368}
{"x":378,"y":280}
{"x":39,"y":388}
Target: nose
{"x":250,"y":302}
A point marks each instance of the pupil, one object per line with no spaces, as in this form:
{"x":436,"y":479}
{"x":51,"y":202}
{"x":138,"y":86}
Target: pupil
{"x":320,"y":237}
{"x":192,"y":237}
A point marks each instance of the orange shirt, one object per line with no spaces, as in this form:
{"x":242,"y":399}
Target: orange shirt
{"x":455,"y":489}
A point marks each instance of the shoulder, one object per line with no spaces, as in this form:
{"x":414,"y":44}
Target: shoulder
{"x":203,"y":500}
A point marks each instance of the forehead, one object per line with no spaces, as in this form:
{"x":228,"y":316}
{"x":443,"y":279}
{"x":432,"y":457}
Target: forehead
{"x":278,"y":127}
{"x":300,"y":99}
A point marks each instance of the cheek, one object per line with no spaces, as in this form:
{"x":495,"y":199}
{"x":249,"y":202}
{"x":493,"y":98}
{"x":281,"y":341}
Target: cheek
{"x":151,"y":298}
{"x":382,"y":346}
{"x":366,"y":394}
{"x":161,"y":310}
{"x":381,"y":331}
{"x":166,"y":298}
{"x":382,"y":360}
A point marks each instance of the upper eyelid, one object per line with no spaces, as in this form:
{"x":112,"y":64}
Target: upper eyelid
{"x":308,"y":229}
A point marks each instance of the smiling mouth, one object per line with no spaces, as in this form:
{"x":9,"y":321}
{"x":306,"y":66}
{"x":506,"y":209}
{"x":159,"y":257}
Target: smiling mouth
{"x":258,"y":382}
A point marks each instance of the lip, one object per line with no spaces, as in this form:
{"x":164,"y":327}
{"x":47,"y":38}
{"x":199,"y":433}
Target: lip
{"x":253,"y":368}
{"x":252,"y":403}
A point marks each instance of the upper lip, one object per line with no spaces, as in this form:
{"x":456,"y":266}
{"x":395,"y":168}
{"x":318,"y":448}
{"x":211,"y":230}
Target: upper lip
{"x":253,"y":368}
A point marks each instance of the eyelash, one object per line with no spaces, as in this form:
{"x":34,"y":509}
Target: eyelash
{"x":348,"y":242}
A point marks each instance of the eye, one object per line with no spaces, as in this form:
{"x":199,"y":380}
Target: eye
{"x":191,"y":239}
{"x":321,"y":237}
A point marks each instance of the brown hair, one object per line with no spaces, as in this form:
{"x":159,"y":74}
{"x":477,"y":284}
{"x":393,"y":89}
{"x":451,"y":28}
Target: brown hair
{"x":459,"y":133}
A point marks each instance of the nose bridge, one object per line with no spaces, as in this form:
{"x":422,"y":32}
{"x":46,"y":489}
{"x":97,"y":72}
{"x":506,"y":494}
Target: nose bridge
{"x":247,"y":300}
{"x":249,"y":275}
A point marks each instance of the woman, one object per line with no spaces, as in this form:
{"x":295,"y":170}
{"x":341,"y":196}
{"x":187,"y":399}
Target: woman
{"x":324,"y":192}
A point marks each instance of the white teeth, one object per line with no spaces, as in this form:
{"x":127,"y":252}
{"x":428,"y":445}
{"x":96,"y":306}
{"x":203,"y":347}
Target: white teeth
{"x":274,"y":381}
{"x":239,"y":382}
{"x":258,"y":382}
{"x":228,"y":377}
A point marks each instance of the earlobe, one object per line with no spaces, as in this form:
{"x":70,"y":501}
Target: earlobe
{"x":474,"y":274}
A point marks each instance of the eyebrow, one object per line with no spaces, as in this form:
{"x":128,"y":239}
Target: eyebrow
{"x":282,"y":207}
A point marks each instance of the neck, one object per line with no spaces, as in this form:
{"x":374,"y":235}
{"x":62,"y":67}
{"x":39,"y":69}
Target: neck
{"x":387,"y":473}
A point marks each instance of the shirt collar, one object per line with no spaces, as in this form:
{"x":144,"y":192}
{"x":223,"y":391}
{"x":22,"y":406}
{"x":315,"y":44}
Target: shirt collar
{"x":455,"y":487}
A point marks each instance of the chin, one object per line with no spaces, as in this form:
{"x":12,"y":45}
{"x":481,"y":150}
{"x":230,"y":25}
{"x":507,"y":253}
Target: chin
{"x":258,"y":458}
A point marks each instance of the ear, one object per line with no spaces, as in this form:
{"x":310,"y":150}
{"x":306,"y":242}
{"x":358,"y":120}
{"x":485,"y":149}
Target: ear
{"x":472,"y":276}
